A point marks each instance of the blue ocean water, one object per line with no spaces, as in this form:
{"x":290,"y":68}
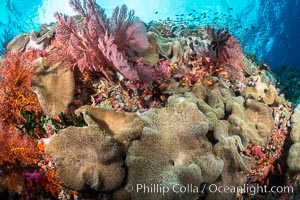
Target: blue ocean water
{"x":268,"y":28}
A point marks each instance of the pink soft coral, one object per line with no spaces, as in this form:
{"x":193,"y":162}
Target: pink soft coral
{"x":256,"y":151}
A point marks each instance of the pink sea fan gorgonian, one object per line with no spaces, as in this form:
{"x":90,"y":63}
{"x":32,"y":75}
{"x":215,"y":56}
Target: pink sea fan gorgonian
{"x":226,"y":53}
{"x":128,"y":30}
{"x":101,"y":44}
{"x":233,"y":60}
{"x":116,"y":59}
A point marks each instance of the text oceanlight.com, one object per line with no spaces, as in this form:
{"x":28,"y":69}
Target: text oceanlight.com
{"x":211,"y":188}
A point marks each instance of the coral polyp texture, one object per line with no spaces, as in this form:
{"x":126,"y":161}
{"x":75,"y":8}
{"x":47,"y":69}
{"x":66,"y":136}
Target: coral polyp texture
{"x":94,"y":107}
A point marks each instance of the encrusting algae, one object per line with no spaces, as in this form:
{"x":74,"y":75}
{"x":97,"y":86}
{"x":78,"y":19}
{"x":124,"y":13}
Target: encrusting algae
{"x":92,"y":104}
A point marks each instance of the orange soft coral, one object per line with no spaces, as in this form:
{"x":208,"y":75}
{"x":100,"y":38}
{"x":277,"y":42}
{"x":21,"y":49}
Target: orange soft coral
{"x":18,"y":154}
{"x":16,"y":148}
{"x":15,"y":93}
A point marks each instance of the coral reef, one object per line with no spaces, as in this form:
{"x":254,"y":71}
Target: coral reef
{"x":91,"y":104}
{"x":167,"y":152}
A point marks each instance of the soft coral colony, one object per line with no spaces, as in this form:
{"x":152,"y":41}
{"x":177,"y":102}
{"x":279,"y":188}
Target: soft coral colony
{"x":92,"y":103}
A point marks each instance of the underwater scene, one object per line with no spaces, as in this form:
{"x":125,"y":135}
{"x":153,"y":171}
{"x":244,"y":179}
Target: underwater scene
{"x":149,"y":100}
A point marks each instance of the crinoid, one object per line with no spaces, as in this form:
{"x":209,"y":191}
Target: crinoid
{"x":219,"y":38}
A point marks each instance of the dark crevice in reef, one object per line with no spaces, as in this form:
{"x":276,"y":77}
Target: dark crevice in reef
{"x":280,"y":166}
{"x":226,"y":115}
{"x":211,"y":138}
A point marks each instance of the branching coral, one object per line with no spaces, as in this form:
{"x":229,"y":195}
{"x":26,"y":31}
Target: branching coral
{"x":98,"y":43}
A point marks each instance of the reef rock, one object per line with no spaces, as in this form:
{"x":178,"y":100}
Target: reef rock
{"x":54,"y":87}
{"x":261,"y":91}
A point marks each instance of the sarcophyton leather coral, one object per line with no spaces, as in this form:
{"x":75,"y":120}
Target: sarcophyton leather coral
{"x":198,"y":138}
{"x":15,"y":93}
{"x":97,"y":43}
{"x":92,"y":155}
{"x":40,"y":40}
{"x":173,"y":150}
{"x":87,"y":155}
{"x":123,"y":127}
{"x":294,"y":157}
{"x":159,"y":45}
{"x":54,"y":87}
